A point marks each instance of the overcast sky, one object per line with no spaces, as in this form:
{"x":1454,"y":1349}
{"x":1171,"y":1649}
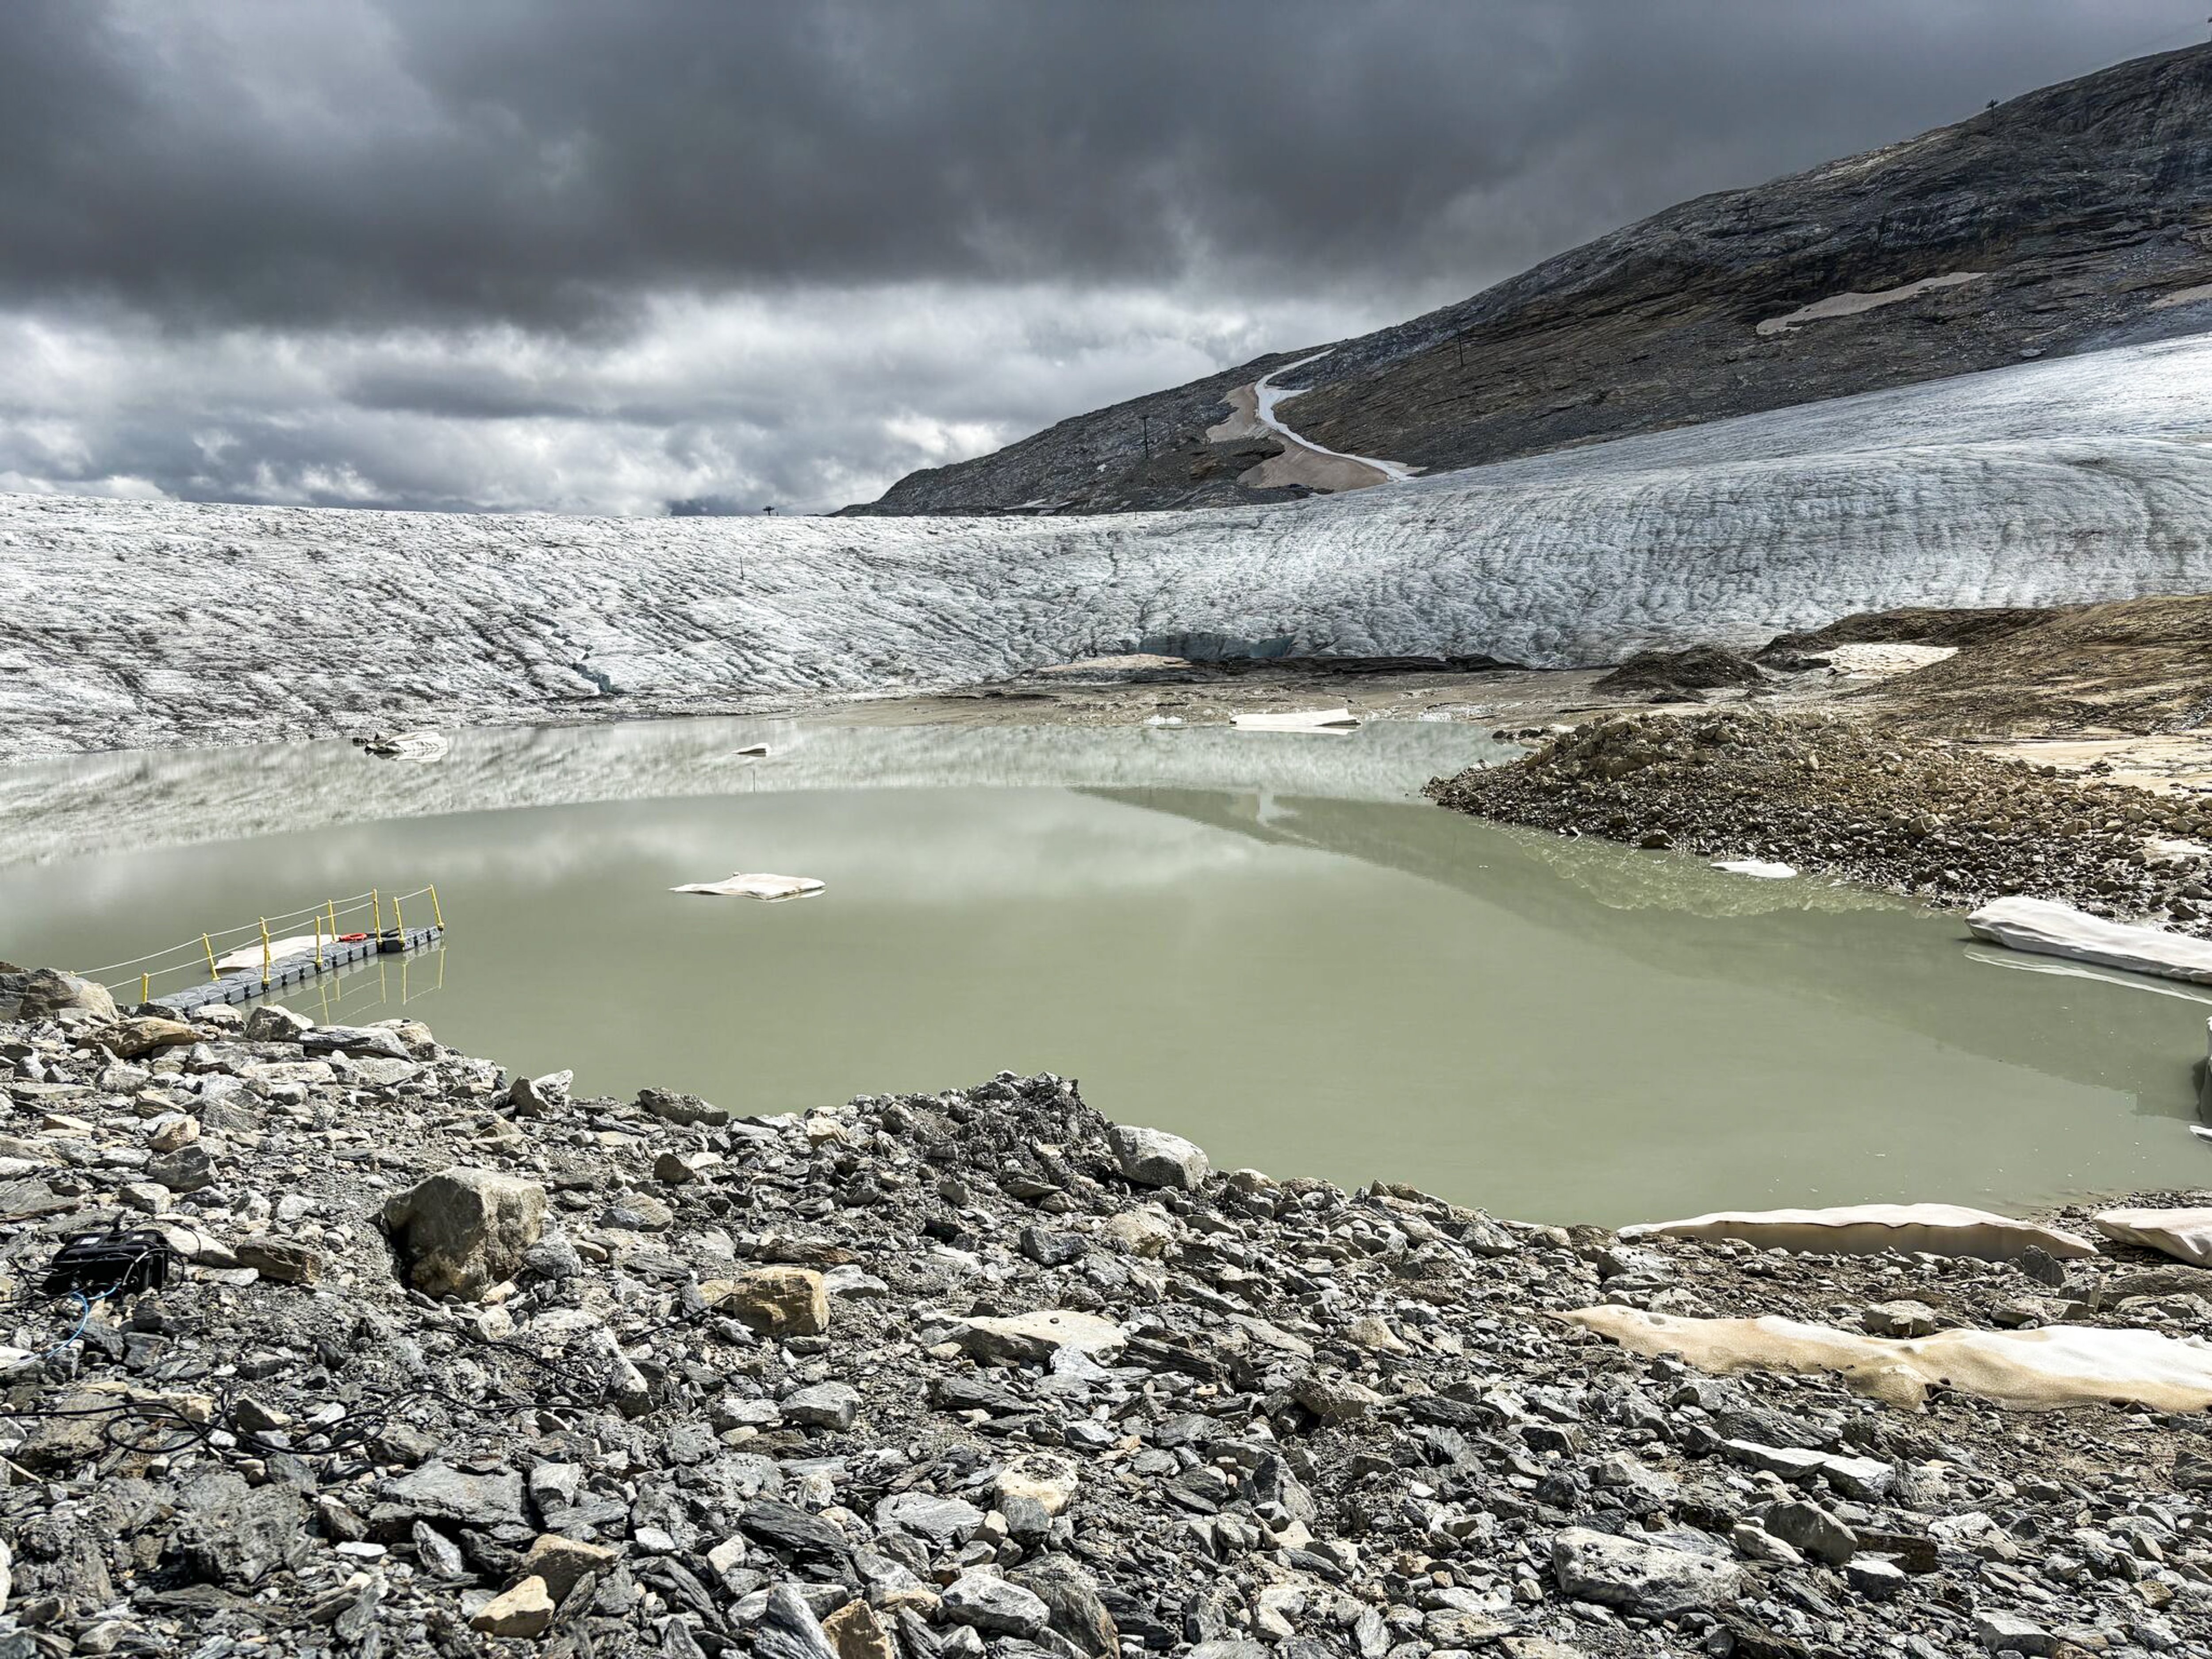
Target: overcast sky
{"x":604,"y":255}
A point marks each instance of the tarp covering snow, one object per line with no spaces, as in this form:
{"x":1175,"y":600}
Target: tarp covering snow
{"x":2046,"y":927}
{"x":2021,"y":1370}
{"x":2183,"y":1234}
{"x":1869,"y":1228}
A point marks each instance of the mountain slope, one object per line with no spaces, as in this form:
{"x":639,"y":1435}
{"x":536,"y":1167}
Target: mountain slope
{"x":2076,"y":217}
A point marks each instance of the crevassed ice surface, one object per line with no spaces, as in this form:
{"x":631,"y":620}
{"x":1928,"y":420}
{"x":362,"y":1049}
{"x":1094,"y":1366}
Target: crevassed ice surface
{"x":132,"y":623}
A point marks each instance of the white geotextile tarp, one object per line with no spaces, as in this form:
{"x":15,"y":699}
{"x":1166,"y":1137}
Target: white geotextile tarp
{"x":2048,"y":928}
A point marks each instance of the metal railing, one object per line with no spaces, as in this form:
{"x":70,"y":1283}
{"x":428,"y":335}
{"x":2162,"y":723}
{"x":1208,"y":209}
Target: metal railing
{"x":199,"y":956}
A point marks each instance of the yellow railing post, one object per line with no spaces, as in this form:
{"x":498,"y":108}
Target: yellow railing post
{"x":378,"y":902}
{"x":319,"y":941}
{"x":264,"y":952}
{"x":208,"y":945}
{"x":437,"y":910}
{"x":398,"y":921}
{"x":145,"y":987}
{"x":331,"y":905}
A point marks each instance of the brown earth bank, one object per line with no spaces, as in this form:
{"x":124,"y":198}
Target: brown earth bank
{"x":2135,"y":667}
{"x":451,"y":1363}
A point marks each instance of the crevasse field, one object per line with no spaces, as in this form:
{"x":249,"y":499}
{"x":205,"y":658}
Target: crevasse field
{"x":127,"y":624}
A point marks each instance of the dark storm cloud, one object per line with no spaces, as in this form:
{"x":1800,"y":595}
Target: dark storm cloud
{"x":543,"y":160}
{"x":605,"y":255}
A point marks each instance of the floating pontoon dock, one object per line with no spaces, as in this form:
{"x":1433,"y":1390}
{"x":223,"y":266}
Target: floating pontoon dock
{"x":328,"y":949}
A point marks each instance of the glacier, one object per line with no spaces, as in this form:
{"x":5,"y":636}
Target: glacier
{"x":129,"y":624}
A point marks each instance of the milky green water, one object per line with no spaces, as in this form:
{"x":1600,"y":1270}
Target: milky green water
{"x":1264,"y":943}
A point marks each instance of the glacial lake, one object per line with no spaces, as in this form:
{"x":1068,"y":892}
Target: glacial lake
{"x":1266,"y":942}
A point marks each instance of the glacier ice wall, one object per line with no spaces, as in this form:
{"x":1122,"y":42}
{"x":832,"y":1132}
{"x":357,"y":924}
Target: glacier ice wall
{"x":128,"y":624}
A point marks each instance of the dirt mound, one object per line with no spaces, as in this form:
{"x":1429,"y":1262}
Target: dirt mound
{"x":1922,"y":817}
{"x":2135,"y":667}
{"x":1679,"y":676}
{"x":1912,"y":625}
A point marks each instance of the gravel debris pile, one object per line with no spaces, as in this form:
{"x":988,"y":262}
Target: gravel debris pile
{"x":451,"y":1363}
{"x":1829,"y":795}
{"x":1679,"y":676}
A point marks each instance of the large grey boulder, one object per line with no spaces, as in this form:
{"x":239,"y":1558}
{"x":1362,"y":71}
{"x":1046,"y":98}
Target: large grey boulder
{"x":48,"y":990}
{"x":1153,"y":1158}
{"x":823,"y":1405}
{"x":946,"y":1523}
{"x":237,"y":1538}
{"x":1804,"y":1525}
{"x":787,"y":1629}
{"x":1073,"y":1601}
{"x":987,"y":1602}
{"x":440,"y":1492}
{"x":1648,"y":1580}
{"x":272,"y":1022}
{"x":464,"y":1231}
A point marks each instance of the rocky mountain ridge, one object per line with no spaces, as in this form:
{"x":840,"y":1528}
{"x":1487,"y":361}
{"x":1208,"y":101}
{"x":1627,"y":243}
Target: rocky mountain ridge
{"x":2076,"y":217}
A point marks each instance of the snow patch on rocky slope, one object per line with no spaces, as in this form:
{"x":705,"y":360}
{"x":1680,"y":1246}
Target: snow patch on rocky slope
{"x":140,"y":623}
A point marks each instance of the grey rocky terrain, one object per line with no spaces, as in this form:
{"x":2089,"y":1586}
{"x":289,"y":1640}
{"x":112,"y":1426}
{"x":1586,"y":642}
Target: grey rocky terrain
{"x":2083,"y":210}
{"x":454,"y":1363}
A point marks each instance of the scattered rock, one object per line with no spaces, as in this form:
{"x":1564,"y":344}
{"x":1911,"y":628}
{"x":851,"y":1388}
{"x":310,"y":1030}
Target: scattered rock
{"x":1153,"y":1158}
{"x":47,"y":992}
{"x":823,"y":1405}
{"x":529,"y":1096}
{"x":524,"y":1611}
{"x":1249,"y":1416}
{"x":284,"y":1260}
{"x":1033,"y":1338}
{"x":1649,"y":1580}
{"x":559,"y":1562}
{"x":272,"y":1022}
{"x":146,"y":1033}
{"x":856,"y":1634}
{"x":465,"y":1229}
{"x":995,"y":1606}
{"x":775,"y":1301}
{"x":1807,"y":1527}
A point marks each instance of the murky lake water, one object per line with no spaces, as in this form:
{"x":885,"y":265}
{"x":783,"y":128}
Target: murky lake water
{"x":1263,"y":942}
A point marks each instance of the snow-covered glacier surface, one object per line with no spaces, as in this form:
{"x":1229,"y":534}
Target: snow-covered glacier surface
{"x":130,"y":624}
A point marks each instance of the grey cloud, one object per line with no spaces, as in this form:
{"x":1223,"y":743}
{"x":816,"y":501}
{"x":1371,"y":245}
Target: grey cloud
{"x":545,"y":161}
{"x":594,"y":257}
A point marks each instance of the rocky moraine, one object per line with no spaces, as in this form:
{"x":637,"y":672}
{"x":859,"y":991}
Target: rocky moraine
{"x":451,"y":1361}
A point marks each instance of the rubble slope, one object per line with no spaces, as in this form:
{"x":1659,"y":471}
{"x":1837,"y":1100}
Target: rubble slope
{"x":973,"y":1375}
